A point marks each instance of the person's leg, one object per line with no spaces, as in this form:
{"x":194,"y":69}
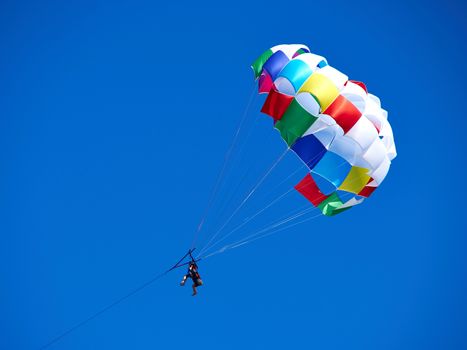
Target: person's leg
{"x":182,"y":283}
{"x":194,"y":289}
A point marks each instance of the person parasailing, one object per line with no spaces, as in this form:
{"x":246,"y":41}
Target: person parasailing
{"x":194,"y":275}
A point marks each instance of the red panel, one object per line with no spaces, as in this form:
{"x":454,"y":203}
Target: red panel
{"x":308,"y":188}
{"x":276,"y":104}
{"x":367,"y":191}
{"x":359,"y":83}
{"x":344,"y":113}
{"x":265,"y":83}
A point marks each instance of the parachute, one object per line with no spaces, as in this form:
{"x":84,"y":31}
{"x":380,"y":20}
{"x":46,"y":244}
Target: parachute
{"x":333,"y":125}
{"x":335,"y":128}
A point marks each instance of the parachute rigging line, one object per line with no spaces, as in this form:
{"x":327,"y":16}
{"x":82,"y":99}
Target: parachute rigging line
{"x":286,"y":218}
{"x":221,"y":173}
{"x":265,"y":231}
{"x":213,"y":244}
{"x":224,"y":201}
{"x":290,"y":218}
{"x":247,"y":198}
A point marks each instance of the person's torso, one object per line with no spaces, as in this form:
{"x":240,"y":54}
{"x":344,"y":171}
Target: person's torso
{"x":193,"y":274}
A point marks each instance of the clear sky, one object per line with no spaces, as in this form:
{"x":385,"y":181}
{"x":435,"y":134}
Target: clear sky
{"x":114,"y":120}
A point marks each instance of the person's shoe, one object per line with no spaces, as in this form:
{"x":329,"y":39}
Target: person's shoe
{"x":194,"y":293}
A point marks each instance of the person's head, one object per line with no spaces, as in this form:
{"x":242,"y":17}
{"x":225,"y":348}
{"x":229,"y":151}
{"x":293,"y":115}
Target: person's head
{"x":193,"y":265}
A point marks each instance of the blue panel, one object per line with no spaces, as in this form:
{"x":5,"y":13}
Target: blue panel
{"x":344,"y":196}
{"x":322,"y":64}
{"x":275,"y":63}
{"x":333,"y":168}
{"x":326,"y":187}
{"x":309,"y":149}
{"x":296,"y":71}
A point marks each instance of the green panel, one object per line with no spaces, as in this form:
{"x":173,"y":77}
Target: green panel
{"x":295,"y":121}
{"x":338,"y":211}
{"x":299,"y":52}
{"x":330,"y":206}
{"x":260,"y":61}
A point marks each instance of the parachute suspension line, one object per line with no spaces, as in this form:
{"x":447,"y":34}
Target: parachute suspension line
{"x":213,"y":244}
{"x":262,"y":236}
{"x":241,"y":151}
{"x":261,"y":180}
{"x":221,"y":173}
{"x":284,"y":180}
{"x":303,"y":165}
{"x":223,"y":203}
{"x":266,"y":231}
{"x":283,"y":220}
{"x":265,"y":234}
{"x":275,"y":225}
{"x":279,"y":229}
{"x":302,"y":210}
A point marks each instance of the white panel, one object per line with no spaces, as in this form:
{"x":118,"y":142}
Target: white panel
{"x":285,"y":86}
{"x":375,"y":154}
{"x":311,"y":60}
{"x":321,"y":123}
{"x":362,"y":163}
{"x":289,"y":50}
{"x":351,"y":202}
{"x":308,"y":102}
{"x":384,"y":113}
{"x":375,"y":99}
{"x":355,"y":94}
{"x":392,"y":152}
{"x":388,"y":139}
{"x":380,"y":173}
{"x":327,"y":119}
{"x":373,"y":111}
{"x":327,"y":135}
{"x":363,"y":132}
{"x":346,"y":148}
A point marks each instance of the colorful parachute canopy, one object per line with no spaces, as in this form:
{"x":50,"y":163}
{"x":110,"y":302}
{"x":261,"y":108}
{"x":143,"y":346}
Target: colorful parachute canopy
{"x":332,"y":123}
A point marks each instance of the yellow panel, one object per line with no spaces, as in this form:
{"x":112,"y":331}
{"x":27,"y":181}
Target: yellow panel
{"x":355,"y":180}
{"x":322,"y":88}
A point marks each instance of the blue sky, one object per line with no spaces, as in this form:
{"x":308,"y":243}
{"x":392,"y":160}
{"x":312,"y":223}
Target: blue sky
{"x":114,"y":121}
